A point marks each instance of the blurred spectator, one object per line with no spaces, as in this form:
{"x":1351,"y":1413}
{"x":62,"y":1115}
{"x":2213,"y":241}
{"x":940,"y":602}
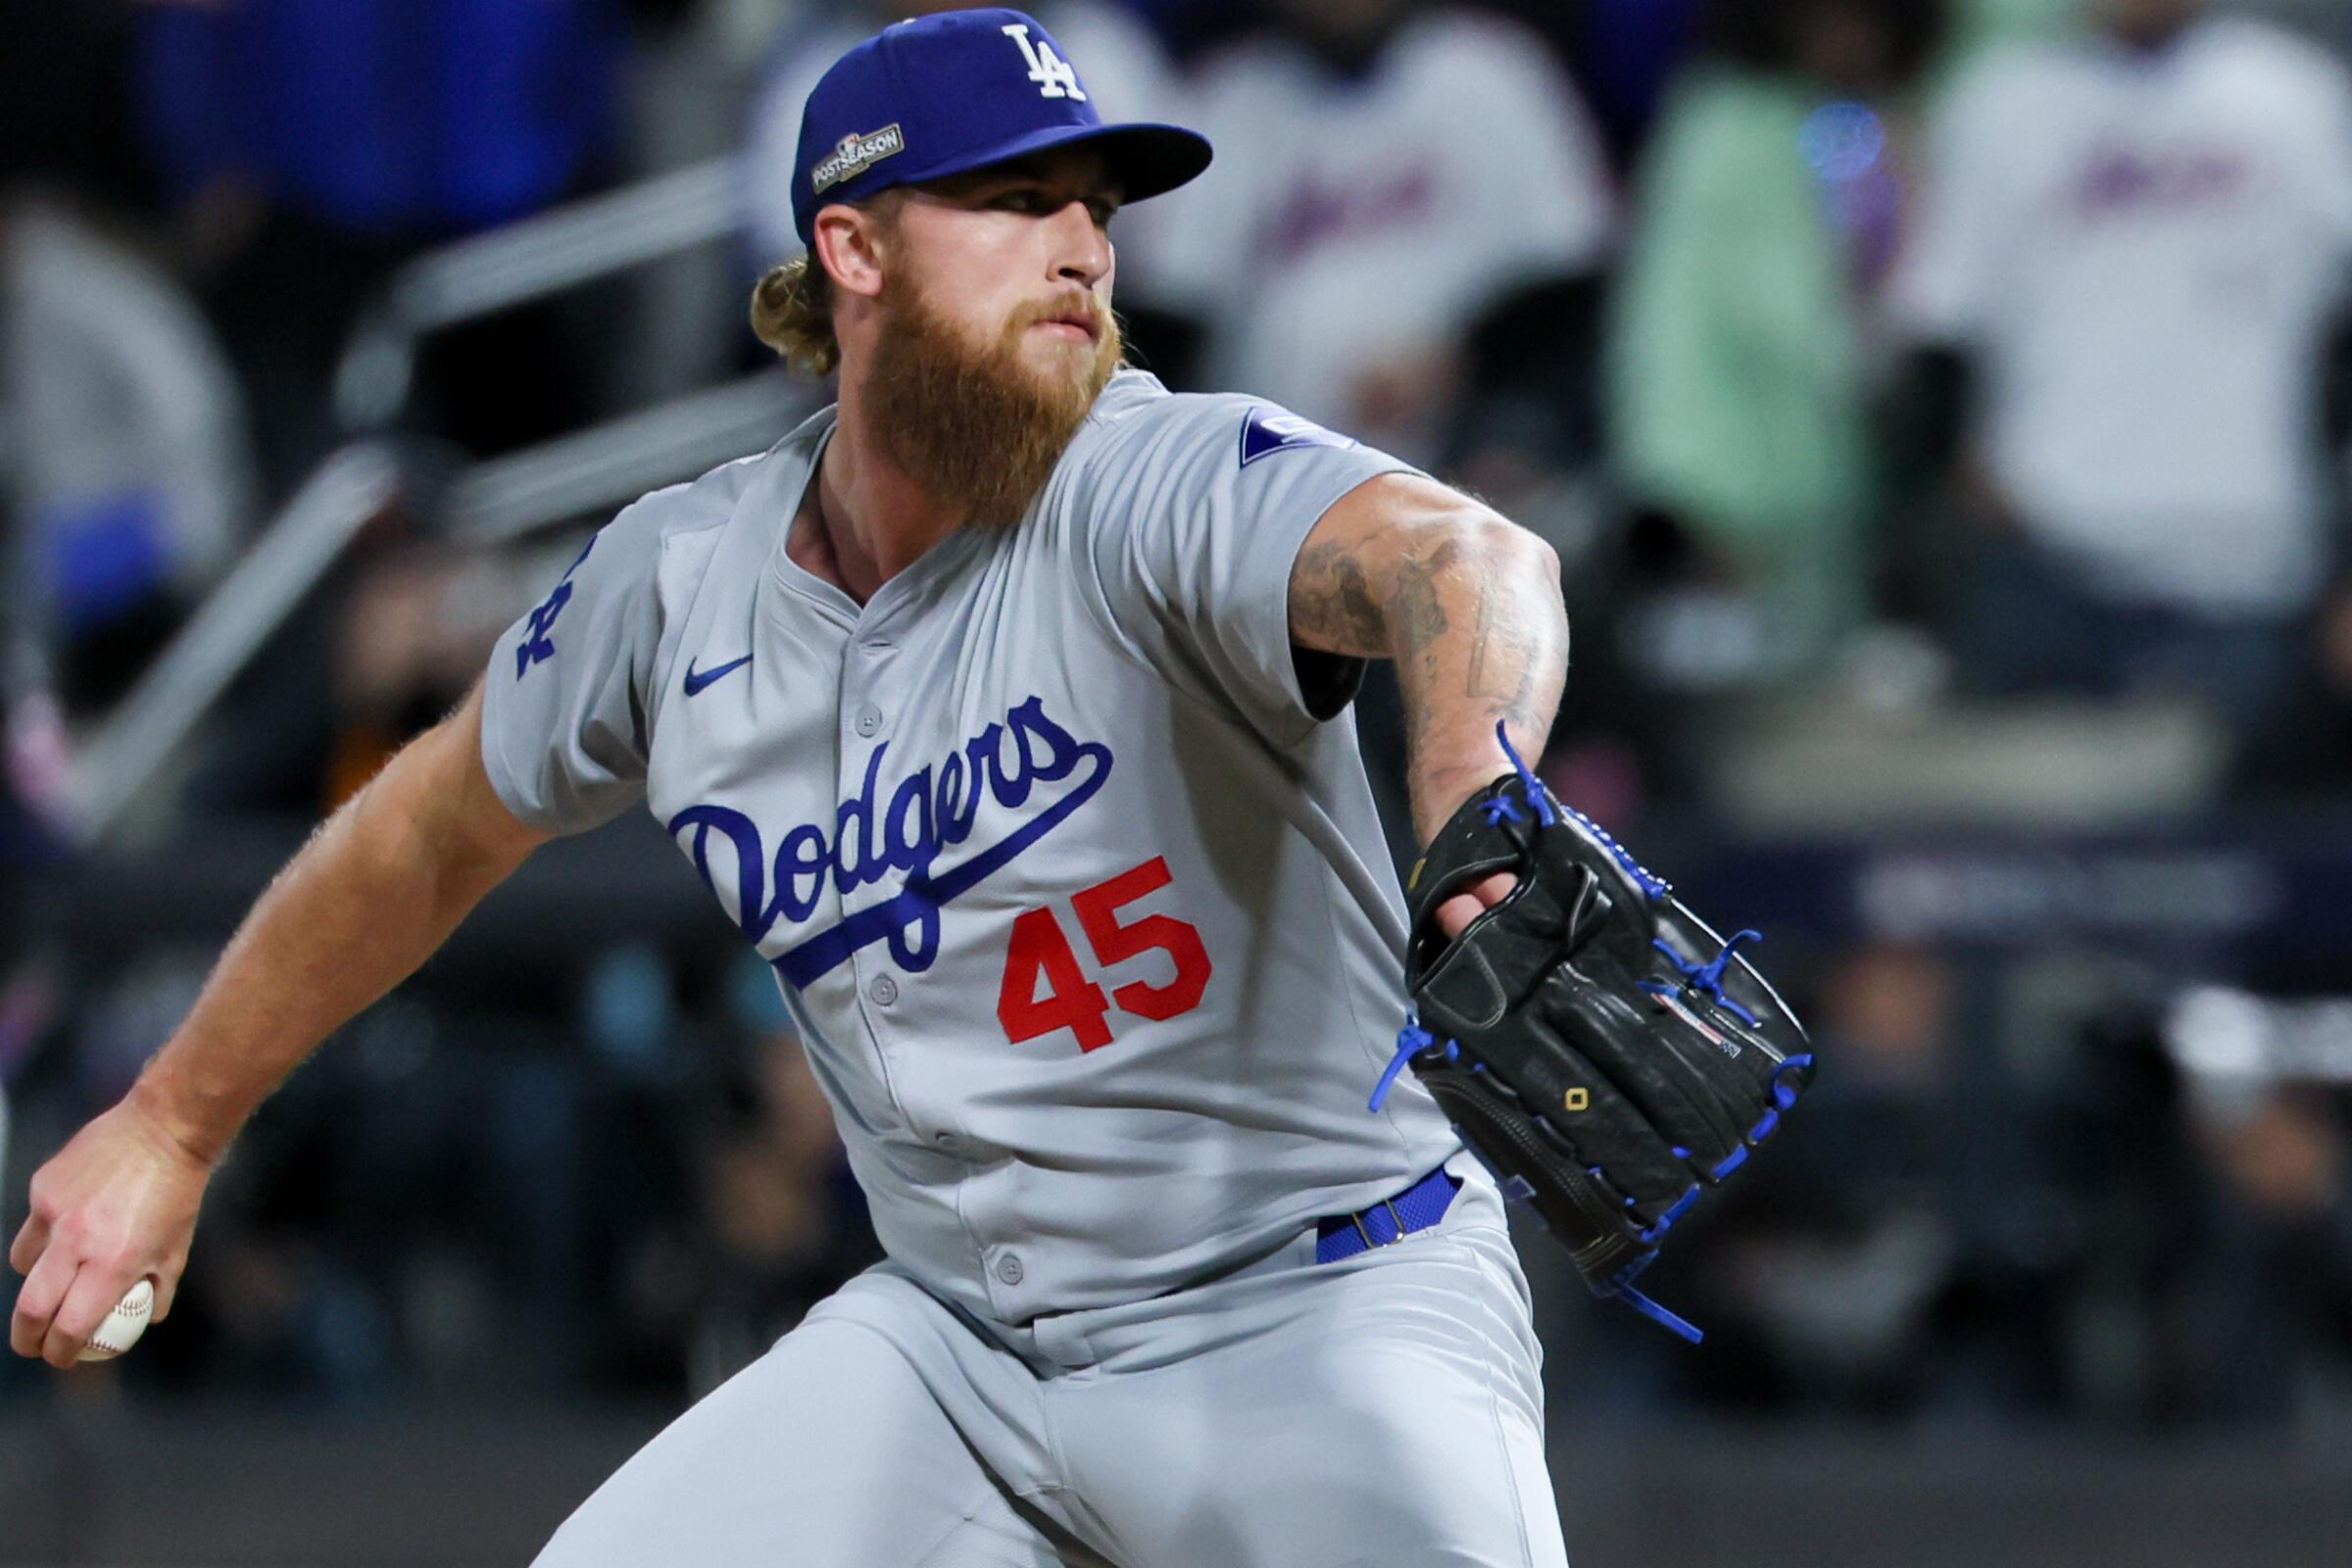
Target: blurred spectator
{"x":2133,"y":251}
{"x":414,"y":633}
{"x":2316,"y":758}
{"x":1626,"y":54}
{"x":2216,"y":1285}
{"x":1862,"y":1269}
{"x":1737,"y":385}
{"x":315,"y":144}
{"x":382,"y":119}
{"x":381,"y":651}
{"x":1117,"y":56}
{"x":1387,"y":171}
{"x":127,"y":469}
{"x":2277,"y":1287}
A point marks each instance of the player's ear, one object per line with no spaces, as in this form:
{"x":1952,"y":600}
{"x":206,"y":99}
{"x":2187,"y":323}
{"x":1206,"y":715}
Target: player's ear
{"x":848,"y":247}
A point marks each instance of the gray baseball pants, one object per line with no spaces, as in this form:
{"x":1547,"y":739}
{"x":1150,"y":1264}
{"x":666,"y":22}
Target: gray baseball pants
{"x":1383,"y":1409}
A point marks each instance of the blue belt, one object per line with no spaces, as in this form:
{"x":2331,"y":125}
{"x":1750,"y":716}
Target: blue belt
{"x":1391,"y":1219}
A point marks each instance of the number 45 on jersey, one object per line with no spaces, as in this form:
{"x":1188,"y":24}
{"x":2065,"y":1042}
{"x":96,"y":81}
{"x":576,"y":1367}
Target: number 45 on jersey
{"x":1046,"y":988}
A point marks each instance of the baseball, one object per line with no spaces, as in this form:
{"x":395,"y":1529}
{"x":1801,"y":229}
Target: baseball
{"x":123,"y":1325}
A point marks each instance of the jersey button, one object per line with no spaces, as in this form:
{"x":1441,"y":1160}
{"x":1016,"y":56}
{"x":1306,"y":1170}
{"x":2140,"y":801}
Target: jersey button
{"x":870,"y":720}
{"x":883,"y":989}
{"x":1009,"y":1268}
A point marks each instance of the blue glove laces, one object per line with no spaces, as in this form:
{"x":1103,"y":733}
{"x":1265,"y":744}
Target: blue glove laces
{"x":1503,"y":809}
{"x":1706,"y":978}
{"x":1668,"y":1320}
{"x":1412,"y":1039}
{"x":1539,"y":799}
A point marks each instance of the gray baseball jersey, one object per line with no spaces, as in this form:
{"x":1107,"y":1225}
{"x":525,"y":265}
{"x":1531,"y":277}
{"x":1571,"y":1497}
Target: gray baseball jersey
{"x":1078,"y":901}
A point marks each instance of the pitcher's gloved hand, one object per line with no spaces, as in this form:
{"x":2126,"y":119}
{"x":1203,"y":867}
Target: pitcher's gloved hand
{"x":1604,"y":1052}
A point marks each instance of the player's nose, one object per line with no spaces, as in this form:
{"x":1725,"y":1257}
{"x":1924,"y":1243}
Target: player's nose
{"x":1082,"y":251}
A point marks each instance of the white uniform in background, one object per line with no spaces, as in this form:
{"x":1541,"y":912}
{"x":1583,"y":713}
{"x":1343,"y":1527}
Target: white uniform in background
{"x":1355,"y":219}
{"x":2143,"y":253}
{"x":122,"y":411}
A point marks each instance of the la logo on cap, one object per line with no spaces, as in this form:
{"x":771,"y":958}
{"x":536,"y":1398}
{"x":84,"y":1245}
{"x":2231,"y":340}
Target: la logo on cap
{"x":1052,"y":74}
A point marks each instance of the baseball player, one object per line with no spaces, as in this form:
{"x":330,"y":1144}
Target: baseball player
{"x":994,"y":704}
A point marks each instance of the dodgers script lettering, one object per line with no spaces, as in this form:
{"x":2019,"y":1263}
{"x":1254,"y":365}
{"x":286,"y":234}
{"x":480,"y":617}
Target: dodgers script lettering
{"x":929,"y":811}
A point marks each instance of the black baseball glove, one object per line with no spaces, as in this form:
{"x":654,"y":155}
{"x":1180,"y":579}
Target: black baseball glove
{"x":1597,"y":1044}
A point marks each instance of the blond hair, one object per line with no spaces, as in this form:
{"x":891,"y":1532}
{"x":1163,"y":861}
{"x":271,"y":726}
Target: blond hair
{"x":792,"y":311}
{"x":792,"y":306}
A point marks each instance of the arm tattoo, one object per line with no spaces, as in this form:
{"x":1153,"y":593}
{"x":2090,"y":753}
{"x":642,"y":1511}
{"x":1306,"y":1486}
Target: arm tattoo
{"x":1332,"y":605}
{"x":1506,"y":680}
{"x":1470,"y":610}
{"x":1478,"y":636}
{"x":1484,"y":635}
{"x":1417,"y":620}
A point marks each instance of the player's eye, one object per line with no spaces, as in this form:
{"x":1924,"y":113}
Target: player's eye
{"x":1040,"y":201}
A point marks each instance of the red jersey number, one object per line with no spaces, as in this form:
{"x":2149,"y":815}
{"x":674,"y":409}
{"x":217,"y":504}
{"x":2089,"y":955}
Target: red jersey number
{"x":1039,"y":953}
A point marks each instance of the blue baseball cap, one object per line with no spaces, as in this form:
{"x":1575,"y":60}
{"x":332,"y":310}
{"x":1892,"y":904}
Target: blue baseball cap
{"x":958,"y":90}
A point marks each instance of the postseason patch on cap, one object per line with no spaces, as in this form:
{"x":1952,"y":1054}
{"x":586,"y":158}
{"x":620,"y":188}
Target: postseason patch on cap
{"x":857,"y":153}
{"x":1267,"y":431}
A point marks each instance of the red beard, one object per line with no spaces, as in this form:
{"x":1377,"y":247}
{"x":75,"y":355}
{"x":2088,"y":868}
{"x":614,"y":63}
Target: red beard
{"x":975,"y":424}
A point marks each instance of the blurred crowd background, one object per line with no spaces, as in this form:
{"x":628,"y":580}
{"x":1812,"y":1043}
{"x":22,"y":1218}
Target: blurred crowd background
{"x":1941,"y":409}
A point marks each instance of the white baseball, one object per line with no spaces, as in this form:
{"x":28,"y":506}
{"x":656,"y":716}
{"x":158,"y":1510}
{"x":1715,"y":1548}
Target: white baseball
{"x":123,"y":1325}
